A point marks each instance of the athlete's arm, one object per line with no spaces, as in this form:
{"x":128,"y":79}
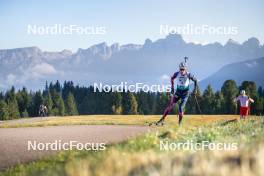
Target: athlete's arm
{"x":251,"y":100}
{"x":172,"y":82}
{"x":195,"y":83}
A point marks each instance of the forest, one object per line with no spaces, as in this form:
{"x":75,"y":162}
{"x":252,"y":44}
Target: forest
{"x":68,"y":99}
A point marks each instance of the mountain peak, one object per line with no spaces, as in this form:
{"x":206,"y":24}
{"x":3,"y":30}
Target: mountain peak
{"x":252,"y":42}
{"x":232,"y":42}
{"x":33,"y":49}
{"x":26,"y":51}
{"x":175,"y":38}
{"x":148,"y":42}
{"x":99,"y":45}
{"x":66,"y":52}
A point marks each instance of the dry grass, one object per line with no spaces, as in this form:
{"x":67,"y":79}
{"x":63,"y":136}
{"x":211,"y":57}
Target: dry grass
{"x":110,"y":120}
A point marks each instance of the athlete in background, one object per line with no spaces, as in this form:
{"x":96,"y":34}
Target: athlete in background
{"x":244,"y":103}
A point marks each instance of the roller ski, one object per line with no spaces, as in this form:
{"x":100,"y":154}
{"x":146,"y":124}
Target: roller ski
{"x":158,"y":123}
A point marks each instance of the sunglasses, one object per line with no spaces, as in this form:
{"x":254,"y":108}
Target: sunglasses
{"x":182,"y":69}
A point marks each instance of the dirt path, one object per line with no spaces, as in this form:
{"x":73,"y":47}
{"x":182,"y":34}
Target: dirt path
{"x":14,"y":141}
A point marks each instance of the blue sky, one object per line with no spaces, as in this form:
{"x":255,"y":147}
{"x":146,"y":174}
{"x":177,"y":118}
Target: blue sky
{"x":125,"y":21}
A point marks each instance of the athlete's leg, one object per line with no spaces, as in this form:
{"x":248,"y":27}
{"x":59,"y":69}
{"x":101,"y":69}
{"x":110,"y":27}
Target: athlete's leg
{"x":181,"y":106}
{"x":246,"y":112}
{"x":241,"y":113}
{"x":169,"y":107}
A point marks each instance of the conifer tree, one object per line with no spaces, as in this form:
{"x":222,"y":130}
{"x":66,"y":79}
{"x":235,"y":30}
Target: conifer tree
{"x":70,"y":105}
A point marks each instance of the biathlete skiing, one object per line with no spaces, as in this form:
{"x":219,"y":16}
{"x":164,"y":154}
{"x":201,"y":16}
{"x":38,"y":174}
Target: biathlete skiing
{"x":244,"y":103}
{"x":182,"y":79}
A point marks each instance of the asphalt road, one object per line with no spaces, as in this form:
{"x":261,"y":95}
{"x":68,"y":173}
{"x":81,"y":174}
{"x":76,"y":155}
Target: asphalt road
{"x":14,"y":141}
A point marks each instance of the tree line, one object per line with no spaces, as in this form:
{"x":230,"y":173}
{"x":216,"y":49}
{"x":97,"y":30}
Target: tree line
{"x":68,"y":99}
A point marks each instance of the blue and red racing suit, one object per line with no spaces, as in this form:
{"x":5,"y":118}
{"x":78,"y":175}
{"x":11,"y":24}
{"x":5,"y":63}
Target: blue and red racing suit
{"x":182,"y":91}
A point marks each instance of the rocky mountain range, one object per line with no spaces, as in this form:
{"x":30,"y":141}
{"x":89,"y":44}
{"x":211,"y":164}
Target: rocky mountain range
{"x":150,"y":63}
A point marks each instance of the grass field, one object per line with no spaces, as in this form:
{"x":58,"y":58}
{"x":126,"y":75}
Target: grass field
{"x":109,"y":120}
{"x":142,"y":155}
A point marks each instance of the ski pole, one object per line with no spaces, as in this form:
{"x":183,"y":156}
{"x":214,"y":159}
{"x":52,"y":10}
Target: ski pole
{"x":198,"y":105}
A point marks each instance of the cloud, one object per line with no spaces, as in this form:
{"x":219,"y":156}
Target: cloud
{"x":42,"y":69}
{"x":35,"y":72}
